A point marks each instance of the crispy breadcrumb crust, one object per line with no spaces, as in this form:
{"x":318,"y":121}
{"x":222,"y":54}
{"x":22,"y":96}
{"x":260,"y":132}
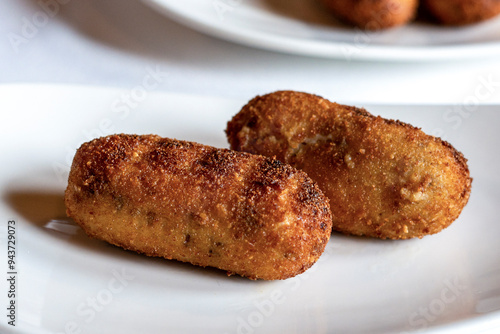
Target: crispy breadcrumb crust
{"x":246,"y":214}
{"x":384,"y":178}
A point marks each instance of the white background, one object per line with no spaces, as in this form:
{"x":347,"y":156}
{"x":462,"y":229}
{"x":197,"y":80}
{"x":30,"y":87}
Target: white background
{"x":113,"y":43}
{"x":117,"y":43}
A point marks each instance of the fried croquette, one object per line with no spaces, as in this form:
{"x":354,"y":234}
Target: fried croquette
{"x":373,"y":14}
{"x":462,"y":12}
{"x":243,"y":213}
{"x":384,"y":178}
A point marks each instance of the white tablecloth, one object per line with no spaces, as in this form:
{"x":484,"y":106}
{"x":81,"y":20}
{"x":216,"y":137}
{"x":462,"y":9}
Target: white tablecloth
{"x":116,"y":42}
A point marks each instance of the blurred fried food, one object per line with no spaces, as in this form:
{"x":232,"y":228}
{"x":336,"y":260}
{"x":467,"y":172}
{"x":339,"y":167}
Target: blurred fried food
{"x":462,"y":12}
{"x":383,"y":14}
{"x":373,"y":14}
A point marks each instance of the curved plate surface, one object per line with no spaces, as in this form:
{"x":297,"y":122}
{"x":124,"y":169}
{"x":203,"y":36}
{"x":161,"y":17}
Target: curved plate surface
{"x":69,"y":283}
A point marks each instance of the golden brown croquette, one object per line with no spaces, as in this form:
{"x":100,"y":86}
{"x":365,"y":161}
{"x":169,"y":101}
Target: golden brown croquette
{"x":384,"y":178}
{"x":243,"y":213}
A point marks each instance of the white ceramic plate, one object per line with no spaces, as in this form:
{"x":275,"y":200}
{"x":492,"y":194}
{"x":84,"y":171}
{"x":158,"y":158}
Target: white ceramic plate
{"x":69,"y":283}
{"x":303,"y":27}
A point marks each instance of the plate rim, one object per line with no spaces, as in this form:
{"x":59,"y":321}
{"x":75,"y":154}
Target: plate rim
{"x":325,"y":50}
